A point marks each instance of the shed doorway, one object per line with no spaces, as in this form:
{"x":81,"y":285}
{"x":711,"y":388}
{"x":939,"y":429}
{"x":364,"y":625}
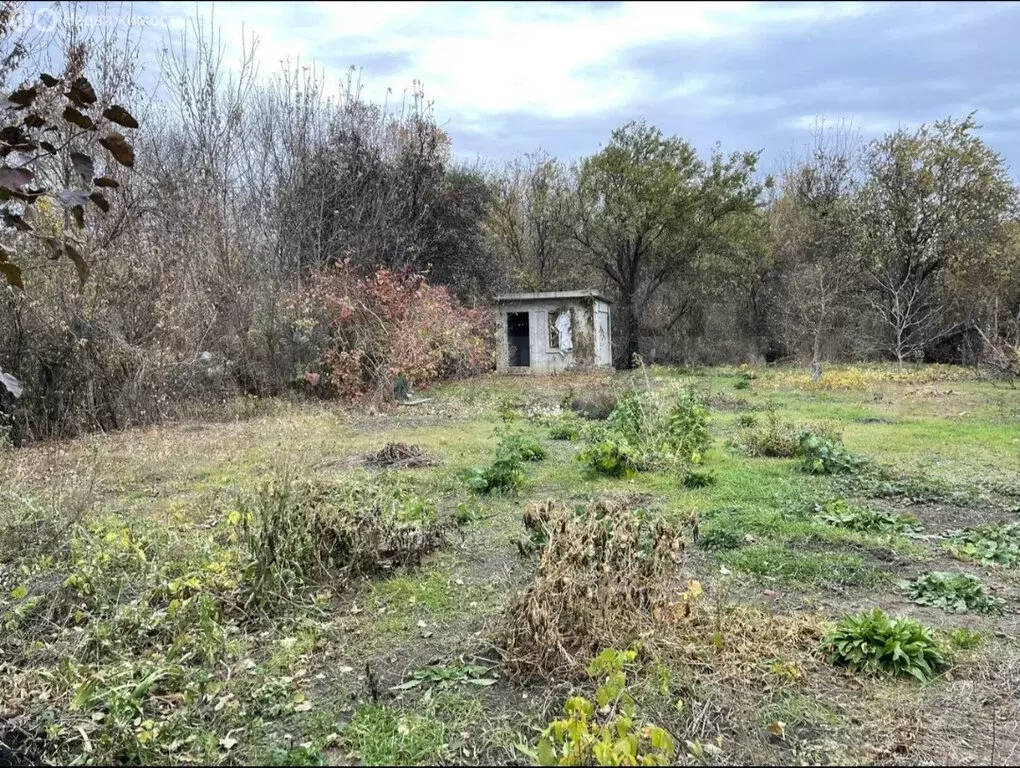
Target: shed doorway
{"x":518,"y":337}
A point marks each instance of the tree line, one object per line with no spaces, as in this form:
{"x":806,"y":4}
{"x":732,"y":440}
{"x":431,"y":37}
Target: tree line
{"x":184,"y":281}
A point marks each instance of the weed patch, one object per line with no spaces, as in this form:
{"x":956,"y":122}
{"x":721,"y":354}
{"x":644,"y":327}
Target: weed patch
{"x":873,"y":642}
{"x":775,"y":563}
{"x":863,"y":519}
{"x":992,"y":544}
{"x":383,"y":736}
{"x":299,"y":533}
{"x":954,"y":592}
{"x":505,"y":473}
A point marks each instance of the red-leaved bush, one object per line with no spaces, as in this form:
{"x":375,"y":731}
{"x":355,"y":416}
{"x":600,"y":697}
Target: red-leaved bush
{"x":394,"y":324}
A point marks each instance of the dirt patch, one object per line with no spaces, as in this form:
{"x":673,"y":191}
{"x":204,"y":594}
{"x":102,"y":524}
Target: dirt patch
{"x":400,"y":456}
{"x":938,"y":518}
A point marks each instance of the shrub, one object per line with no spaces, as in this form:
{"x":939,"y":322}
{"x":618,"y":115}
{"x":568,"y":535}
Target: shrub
{"x":606,"y":573}
{"x":376,"y":330}
{"x":299,"y":532}
{"x":609,"y":454}
{"x":993,"y":544}
{"x":506,"y":470}
{"x":873,"y":642}
{"x":638,"y":435}
{"x":747,"y":420}
{"x":821,"y":456}
{"x":607,"y":731}
{"x":773,"y":439}
{"x":685,"y":432}
{"x":632,"y":418}
{"x":863,"y":519}
{"x":954,"y":592}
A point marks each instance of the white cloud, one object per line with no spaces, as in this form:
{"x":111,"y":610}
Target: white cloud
{"x":478,"y":61}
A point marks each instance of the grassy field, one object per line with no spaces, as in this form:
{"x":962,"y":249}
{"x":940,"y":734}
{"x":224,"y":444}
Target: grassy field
{"x":148,"y":616}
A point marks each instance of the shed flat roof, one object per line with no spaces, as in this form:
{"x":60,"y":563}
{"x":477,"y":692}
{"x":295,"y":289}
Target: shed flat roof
{"x":546,"y":295}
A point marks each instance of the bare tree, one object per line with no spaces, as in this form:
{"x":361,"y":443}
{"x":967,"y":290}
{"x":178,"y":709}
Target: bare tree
{"x":814,"y":223}
{"x":528,"y":222}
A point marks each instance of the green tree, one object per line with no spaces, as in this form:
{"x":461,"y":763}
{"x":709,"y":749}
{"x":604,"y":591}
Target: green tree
{"x":647,"y":208}
{"x":932,"y":201}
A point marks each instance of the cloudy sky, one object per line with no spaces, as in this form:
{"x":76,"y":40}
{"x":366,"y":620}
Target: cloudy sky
{"x":512,"y":77}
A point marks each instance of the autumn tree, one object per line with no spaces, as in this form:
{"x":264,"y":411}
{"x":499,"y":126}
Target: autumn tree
{"x":528,"y":222}
{"x":814,"y":228}
{"x":932,"y":200}
{"x":647,"y":208}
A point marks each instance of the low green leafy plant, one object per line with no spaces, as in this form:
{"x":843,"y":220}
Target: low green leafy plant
{"x":863,"y":519}
{"x":506,"y":470}
{"x":607,"y":731}
{"x":444,"y":676}
{"x":698,"y":478}
{"x":954,"y":592}
{"x":566,"y":426}
{"x":528,"y":448}
{"x":992,"y":544}
{"x":718,"y":539}
{"x":823,"y":456}
{"x":508,"y":409}
{"x":964,"y":639}
{"x":873,"y":642}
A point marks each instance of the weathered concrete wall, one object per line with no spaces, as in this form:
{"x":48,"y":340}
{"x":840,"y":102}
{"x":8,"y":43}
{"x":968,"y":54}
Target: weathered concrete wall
{"x":590,"y":335}
{"x":603,"y":335}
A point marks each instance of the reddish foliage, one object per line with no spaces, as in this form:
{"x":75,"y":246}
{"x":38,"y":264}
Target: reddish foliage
{"x":395,"y":324}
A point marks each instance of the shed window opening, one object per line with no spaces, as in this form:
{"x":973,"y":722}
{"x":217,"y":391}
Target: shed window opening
{"x":554,"y":334}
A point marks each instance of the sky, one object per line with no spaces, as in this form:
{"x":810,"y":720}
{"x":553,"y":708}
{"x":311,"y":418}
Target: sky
{"x":509,"y":78}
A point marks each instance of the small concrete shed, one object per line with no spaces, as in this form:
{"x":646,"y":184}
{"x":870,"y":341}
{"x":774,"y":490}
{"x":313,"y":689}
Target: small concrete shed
{"x":554,"y":331}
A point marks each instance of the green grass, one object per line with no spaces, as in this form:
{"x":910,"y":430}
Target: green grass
{"x":778,"y":564}
{"x":385,"y":736}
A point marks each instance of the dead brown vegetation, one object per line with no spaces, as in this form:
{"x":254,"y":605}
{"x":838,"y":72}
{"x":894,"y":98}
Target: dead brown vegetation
{"x":400,"y":456}
{"x":606,"y":576}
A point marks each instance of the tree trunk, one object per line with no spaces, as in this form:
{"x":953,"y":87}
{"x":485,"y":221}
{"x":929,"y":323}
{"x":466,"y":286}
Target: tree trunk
{"x":816,"y":355}
{"x":629,"y":330}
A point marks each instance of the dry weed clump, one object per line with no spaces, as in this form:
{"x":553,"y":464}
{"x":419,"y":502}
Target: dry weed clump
{"x":400,"y":456}
{"x":745,"y":648}
{"x":300,"y":533}
{"x":606,"y":575}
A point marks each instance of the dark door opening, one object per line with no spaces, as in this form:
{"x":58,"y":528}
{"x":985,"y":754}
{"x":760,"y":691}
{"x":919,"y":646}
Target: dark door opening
{"x":518,"y":338}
